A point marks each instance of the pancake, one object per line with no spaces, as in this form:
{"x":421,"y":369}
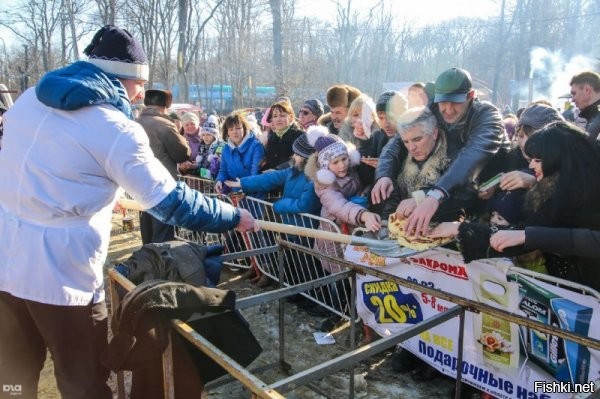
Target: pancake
{"x":396,"y":230}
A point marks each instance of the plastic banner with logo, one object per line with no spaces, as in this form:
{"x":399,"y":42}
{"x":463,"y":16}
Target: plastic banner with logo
{"x":499,"y":357}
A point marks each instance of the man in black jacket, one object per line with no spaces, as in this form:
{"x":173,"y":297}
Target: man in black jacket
{"x":475,"y":135}
{"x":585,"y":92}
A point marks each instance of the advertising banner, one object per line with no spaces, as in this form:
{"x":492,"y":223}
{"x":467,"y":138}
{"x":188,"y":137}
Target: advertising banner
{"x":501,"y":358}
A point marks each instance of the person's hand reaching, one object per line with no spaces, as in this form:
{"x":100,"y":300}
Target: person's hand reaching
{"x":247,"y":222}
{"x":507,"y":238}
{"x":445,"y":229}
{"x":372,"y":221}
{"x":233,"y":183}
{"x":418,"y":221}
{"x":382,"y":190}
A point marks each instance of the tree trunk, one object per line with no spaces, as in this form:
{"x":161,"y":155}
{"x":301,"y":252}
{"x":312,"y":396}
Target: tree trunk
{"x":280,"y":88}
{"x":499,"y":59}
{"x":183,"y":95}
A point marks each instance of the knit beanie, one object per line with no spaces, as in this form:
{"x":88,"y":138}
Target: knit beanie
{"x":384,"y":99}
{"x":328,"y":147}
{"x":190,"y":116}
{"x":508,"y":204}
{"x":302,"y":147}
{"x":315,"y":106}
{"x":210,"y":127}
{"x":118,"y":53}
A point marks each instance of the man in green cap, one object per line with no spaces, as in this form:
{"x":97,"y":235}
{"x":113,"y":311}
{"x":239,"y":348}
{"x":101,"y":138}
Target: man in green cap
{"x":475,"y":135}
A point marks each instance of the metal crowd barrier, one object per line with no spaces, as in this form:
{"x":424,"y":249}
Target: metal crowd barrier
{"x":296,"y":267}
{"x":205,"y":186}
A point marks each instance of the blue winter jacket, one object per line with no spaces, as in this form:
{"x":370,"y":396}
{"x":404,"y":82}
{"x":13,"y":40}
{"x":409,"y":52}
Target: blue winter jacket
{"x":243,"y":160}
{"x":298,"y":191}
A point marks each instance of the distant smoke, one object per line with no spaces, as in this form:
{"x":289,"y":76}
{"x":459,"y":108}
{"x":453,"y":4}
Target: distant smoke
{"x":551,"y":73}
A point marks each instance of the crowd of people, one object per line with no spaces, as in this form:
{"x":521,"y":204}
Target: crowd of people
{"x":425,"y":157}
{"x":352,"y":160}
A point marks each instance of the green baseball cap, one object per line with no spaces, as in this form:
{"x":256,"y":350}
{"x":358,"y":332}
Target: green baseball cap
{"x":452,"y":85}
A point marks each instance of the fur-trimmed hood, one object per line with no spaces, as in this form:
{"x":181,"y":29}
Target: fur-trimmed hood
{"x":323,"y":176}
{"x":324,"y":119}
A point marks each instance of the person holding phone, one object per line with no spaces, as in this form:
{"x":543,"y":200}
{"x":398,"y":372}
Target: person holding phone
{"x":534,"y":117}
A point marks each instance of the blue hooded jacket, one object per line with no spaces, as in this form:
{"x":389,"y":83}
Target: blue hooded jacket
{"x":243,"y":160}
{"x":298,"y":191}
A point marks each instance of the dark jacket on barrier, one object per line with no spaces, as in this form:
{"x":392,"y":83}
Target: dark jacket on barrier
{"x":172,"y":261}
{"x":141,"y":328}
{"x":473,"y":142}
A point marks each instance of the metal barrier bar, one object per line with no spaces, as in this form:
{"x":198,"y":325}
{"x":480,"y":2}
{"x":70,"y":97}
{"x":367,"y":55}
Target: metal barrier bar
{"x":254,"y":384}
{"x":470,"y":305}
{"x":459,"y":349}
{"x":364,"y":352}
{"x":582,"y":289}
{"x":296,"y":267}
{"x":205,"y":186}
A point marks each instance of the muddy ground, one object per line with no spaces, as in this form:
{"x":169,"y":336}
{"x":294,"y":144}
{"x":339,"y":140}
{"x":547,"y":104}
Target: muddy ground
{"x":375,"y":378}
